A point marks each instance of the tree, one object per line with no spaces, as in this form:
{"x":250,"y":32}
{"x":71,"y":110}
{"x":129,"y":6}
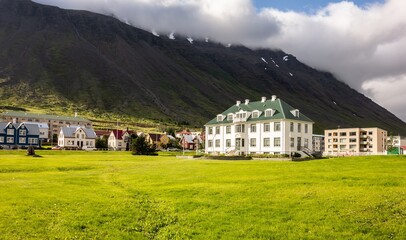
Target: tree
{"x":101,"y":142}
{"x":141,"y":147}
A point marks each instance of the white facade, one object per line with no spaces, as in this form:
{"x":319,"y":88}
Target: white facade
{"x":76,"y":137}
{"x":118,"y":140}
{"x":274,"y":129}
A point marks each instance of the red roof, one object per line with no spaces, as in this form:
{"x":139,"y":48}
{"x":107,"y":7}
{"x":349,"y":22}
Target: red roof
{"x":102,"y":133}
{"x":120,"y":133}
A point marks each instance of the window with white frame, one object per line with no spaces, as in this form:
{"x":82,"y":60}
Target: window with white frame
{"x":306,"y":143}
{"x":217,"y":142}
{"x":253,"y":128}
{"x":277,"y":142}
{"x":253,"y":142}
{"x":306,"y":128}
{"x":23,"y":132}
{"x":228,"y":142}
{"x":217,"y":130}
{"x":292,"y":127}
{"x":210,"y":130}
{"x":255,"y":114}
{"x":219,"y":118}
{"x":10,"y":131}
{"x":241,"y":115}
{"x":1,"y":139}
{"x":277,"y":127}
{"x":22,"y":140}
{"x":299,"y":127}
{"x":228,"y":129}
{"x":269,"y":112}
{"x":240,"y":128}
{"x":230,"y":117}
{"x":210,"y":143}
{"x":292,"y":142}
{"x":267,"y":127}
{"x":267,"y":142}
{"x":10,"y":139}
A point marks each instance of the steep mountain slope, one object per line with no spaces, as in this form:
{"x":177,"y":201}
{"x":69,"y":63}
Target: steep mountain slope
{"x":50,"y":56}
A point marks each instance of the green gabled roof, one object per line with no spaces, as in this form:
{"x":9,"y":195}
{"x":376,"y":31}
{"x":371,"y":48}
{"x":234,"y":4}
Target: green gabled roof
{"x":282,"y":111}
{"x":44,"y":116}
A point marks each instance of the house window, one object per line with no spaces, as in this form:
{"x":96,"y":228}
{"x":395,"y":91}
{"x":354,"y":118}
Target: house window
{"x":369,"y":133}
{"x":342,"y":147}
{"x":306,"y":143}
{"x":329,"y":134}
{"x":241,"y":115}
{"x":228,"y":129}
{"x":353,"y":133}
{"x":217,"y":142}
{"x":277,"y":142}
{"x":253,"y":128}
{"x":277,"y":126}
{"x":228,"y":142}
{"x":266,"y":142}
{"x":10,"y":139}
{"x":353,"y":146}
{"x":306,"y":128}
{"x":240,"y":128}
{"x":343,"y":134}
{"x":267,"y":127}
{"x":292,"y":126}
{"x":255,"y":114}
{"x":253,"y":142}
{"x":83,"y":135}
{"x":217,"y":130}
{"x":292,"y":142}
{"x":219,"y":118}
{"x":299,"y":127}
{"x":1,"y":139}
{"x":342,"y":140}
{"x":10,"y":131}
{"x":32,"y":140}
{"x":230,"y":117}
{"x":22,"y":140}
{"x":23,"y":132}
{"x":352,"y":140}
{"x":210,"y":143}
{"x":77,"y":135}
{"x":269,"y":113}
{"x":210,"y":130}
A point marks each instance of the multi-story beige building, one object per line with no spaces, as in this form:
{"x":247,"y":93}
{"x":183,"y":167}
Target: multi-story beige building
{"x":355,"y":141}
{"x":54,"y":122}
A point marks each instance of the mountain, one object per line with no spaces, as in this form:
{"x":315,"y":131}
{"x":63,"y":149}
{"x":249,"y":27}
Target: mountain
{"x":50,"y":57}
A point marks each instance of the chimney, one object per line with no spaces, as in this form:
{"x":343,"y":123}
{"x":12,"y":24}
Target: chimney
{"x":14,"y":120}
{"x":247,"y":101}
{"x":263,"y":99}
{"x":273,"y":98}
{"x":238,"y":103}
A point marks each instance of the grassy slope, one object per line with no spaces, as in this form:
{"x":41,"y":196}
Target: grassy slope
{"x":116,"y":195}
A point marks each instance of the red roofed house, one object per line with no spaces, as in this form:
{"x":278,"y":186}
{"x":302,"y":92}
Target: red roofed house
{"x":119,"y":140}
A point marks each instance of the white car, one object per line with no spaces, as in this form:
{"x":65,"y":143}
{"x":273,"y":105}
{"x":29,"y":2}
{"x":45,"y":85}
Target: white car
{"x":86,"y":148}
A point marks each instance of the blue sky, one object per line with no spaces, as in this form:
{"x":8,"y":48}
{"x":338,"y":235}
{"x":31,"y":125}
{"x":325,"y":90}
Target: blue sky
{"x":304,"y":5}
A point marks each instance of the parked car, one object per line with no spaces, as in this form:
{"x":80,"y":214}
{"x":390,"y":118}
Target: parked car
{"x":86,"y":148}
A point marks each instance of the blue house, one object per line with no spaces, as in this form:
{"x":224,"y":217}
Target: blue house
{"x":19,"y":135}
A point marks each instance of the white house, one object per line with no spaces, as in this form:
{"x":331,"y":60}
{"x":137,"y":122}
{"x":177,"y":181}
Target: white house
{"x":119,"y":140}
{"x":263,"y":127}
{"x":76,"y":137}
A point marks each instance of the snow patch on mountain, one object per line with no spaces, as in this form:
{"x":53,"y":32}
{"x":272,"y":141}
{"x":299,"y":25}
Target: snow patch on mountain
{"x":190,"y":40}
{"x":263,"y":59}
{"x":155,"y":33}
{"x":171,"y":36}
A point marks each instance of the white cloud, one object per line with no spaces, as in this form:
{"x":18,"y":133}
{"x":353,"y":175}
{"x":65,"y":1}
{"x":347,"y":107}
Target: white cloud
{"x":363,"y":46}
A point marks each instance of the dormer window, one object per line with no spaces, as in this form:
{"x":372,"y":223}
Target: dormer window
{"x":219,"y":118}
{"x":295,"y":112}
{"x":255,"y":114}
{"x":269,"y":112}
{"x":241,"y":115}
{"x":230,"y":117}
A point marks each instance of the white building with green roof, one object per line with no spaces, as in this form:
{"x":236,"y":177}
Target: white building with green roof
{"x":264,"y":127}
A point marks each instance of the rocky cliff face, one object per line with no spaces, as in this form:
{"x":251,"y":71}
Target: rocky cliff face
{"x":54,"y":56}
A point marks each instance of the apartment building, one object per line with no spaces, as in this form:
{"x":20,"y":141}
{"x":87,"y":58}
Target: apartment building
{"x":263,"y":127}
{"x":355,"y":141}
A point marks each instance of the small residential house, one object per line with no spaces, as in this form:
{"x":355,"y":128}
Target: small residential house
{"x":19,"y":135}
{"x":268,"y":126}
{"x":119,"y":140}
{"x":43,"y":130}
{"x":76,"y":137}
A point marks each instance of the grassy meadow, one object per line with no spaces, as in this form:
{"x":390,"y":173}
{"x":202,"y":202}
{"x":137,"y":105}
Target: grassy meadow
{"x":114,"y":195}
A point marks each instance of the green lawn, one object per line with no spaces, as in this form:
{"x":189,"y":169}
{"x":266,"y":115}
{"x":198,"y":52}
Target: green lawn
{"x":114,"y":195}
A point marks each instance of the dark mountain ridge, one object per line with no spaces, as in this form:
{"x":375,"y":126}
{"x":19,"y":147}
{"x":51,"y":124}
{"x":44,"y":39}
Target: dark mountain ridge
{"x":103,"y":65}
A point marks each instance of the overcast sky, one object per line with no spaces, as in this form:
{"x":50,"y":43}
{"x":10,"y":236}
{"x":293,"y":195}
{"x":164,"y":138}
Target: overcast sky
{"x":363,"y":43}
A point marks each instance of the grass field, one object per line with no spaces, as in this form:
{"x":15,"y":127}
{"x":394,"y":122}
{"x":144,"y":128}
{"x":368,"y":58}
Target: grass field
{"x":114,"y":195}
